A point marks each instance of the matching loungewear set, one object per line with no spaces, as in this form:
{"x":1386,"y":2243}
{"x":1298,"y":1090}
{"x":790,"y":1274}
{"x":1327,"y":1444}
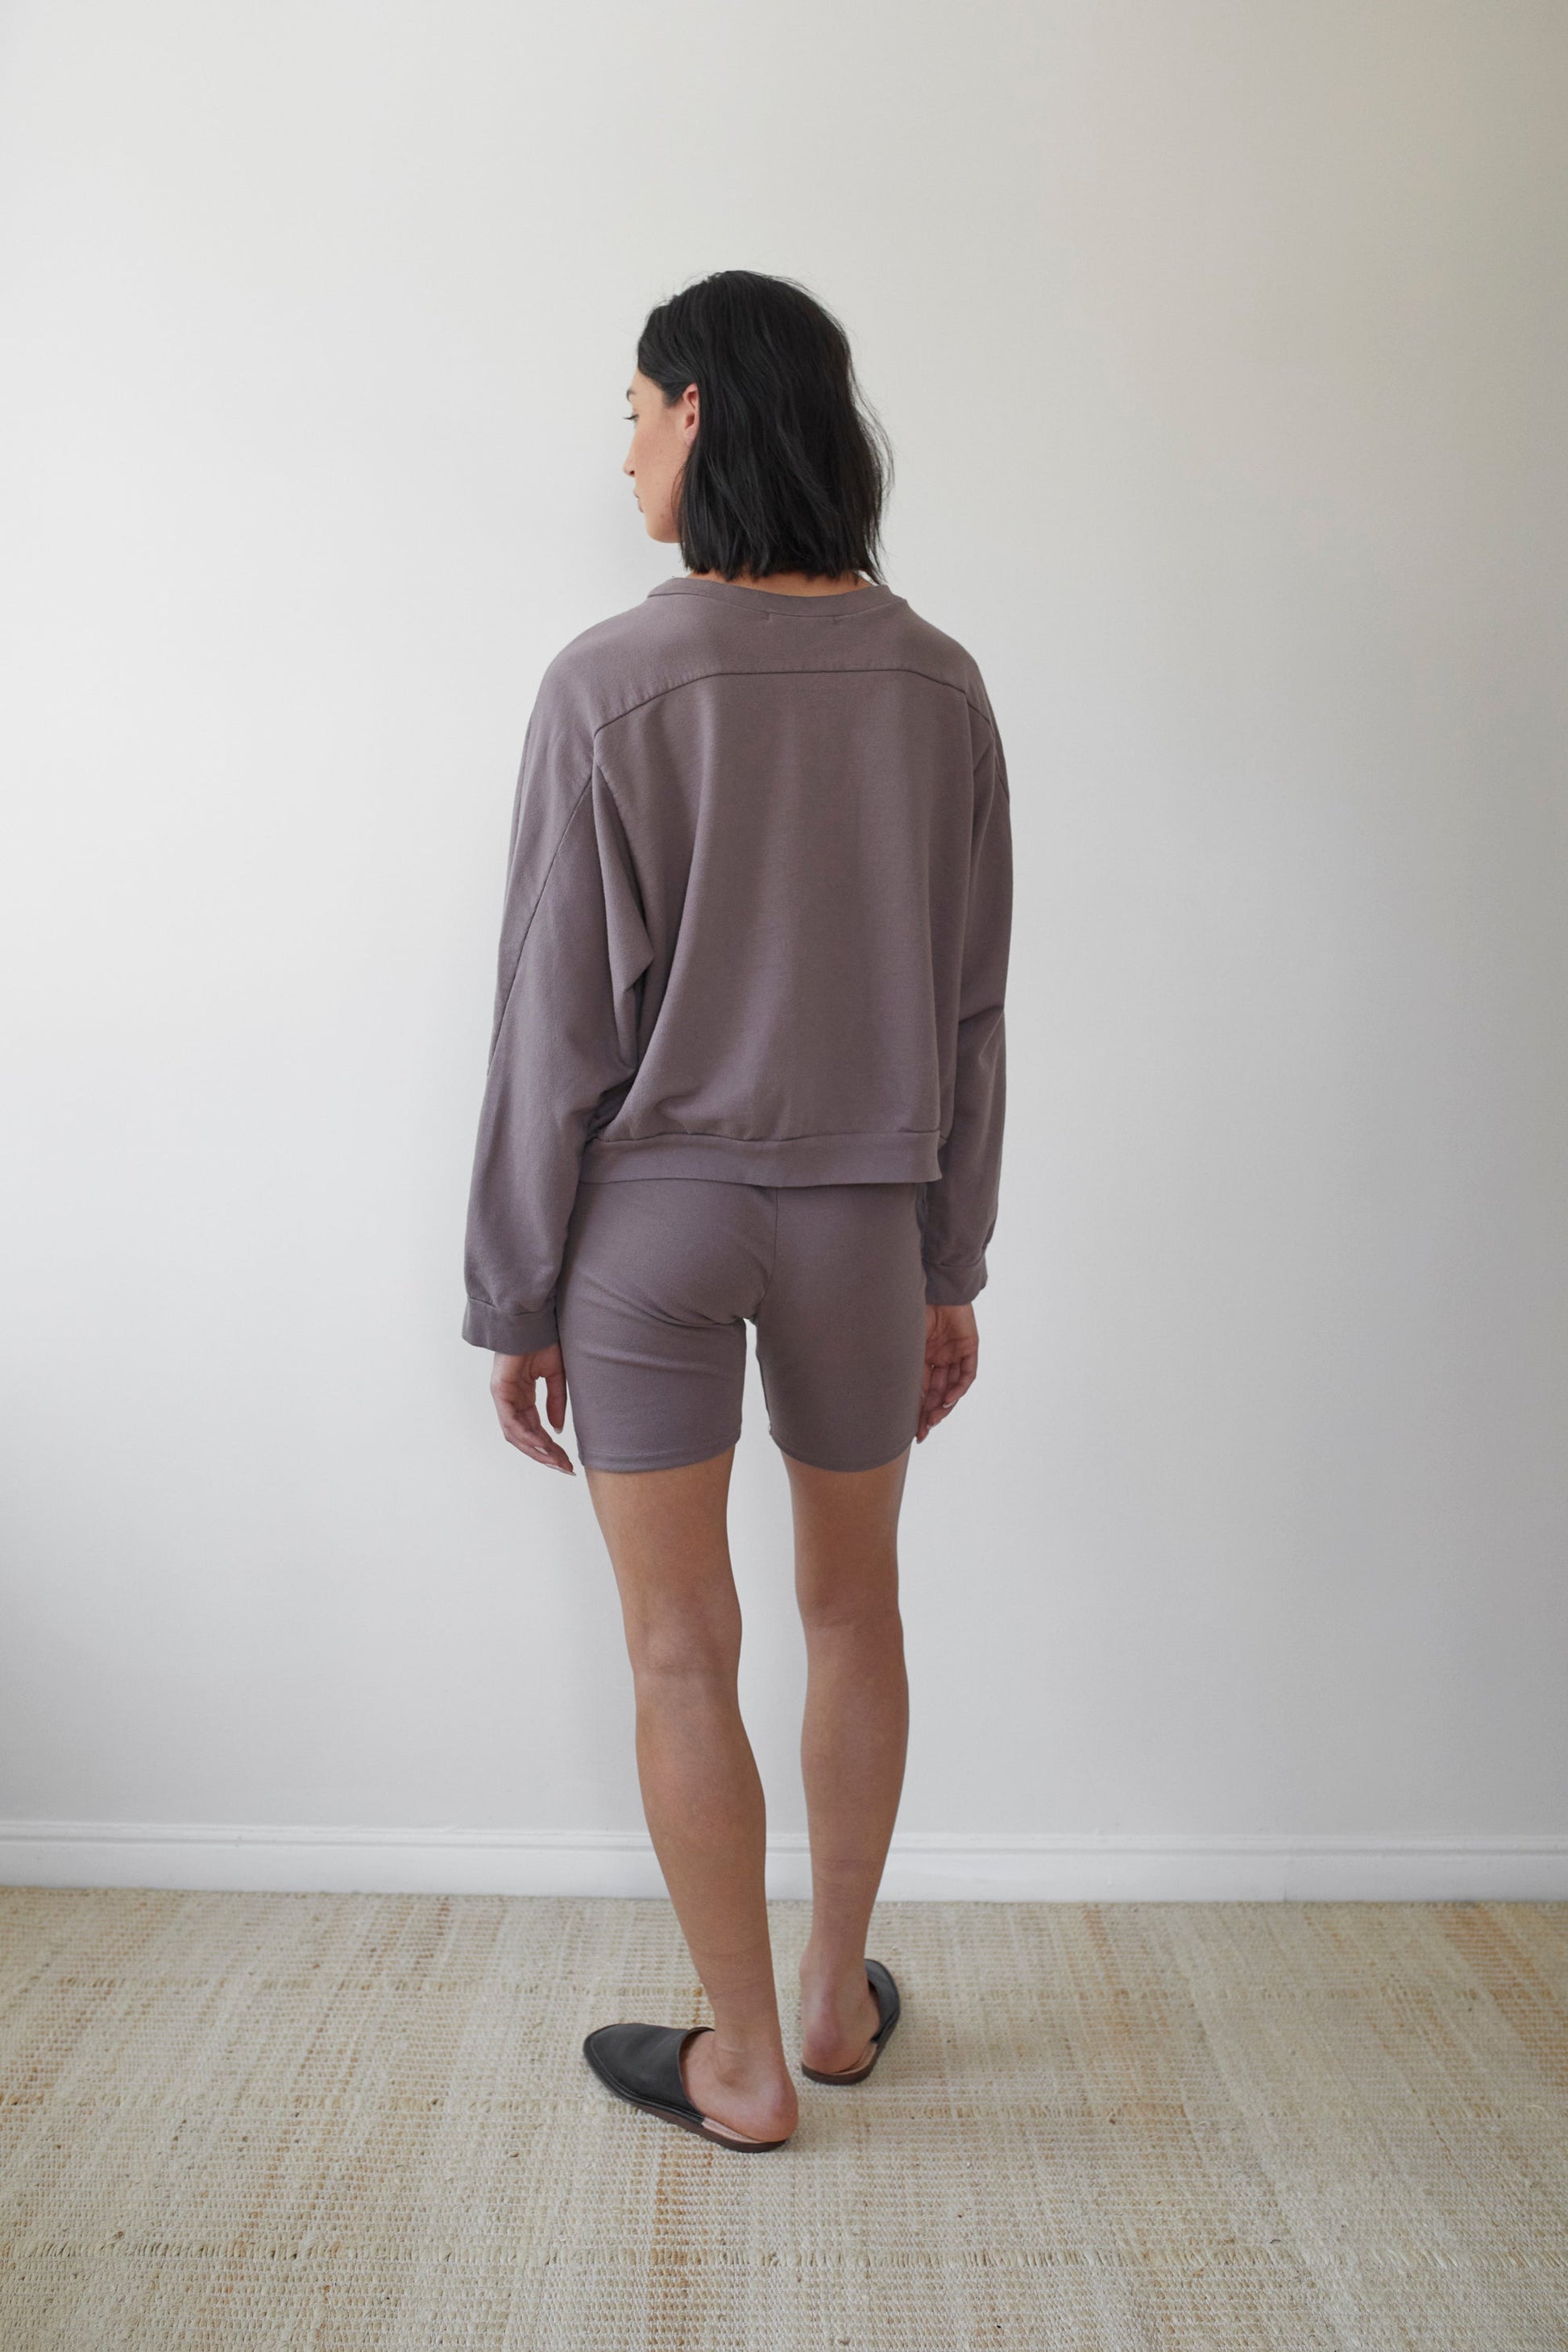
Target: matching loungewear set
{"x":747,"y":1055}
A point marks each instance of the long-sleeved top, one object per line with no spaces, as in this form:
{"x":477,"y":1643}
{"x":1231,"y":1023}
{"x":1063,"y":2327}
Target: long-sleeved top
{"x":755,"y":927}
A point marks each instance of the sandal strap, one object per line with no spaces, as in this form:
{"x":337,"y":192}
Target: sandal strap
{"x":645,"y":2060}
{"x":887,"y":1998}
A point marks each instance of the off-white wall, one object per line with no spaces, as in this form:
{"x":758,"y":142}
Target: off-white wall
{"x":1222,"y":348}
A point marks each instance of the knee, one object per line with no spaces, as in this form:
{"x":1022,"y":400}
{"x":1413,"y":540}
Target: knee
{"x":673,"y":1650}
{"x":869,"y":1618}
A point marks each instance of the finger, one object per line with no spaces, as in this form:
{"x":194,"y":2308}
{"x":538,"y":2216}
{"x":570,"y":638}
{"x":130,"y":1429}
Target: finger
{"x":932,"y":1401}
{"x":528,"y":1437}
{"x":521,"y":1425}
{"x":961,"y":1371}
{"x":547,"y":1455}
{"x":930,"y":1396}
{"x":555,"y":1398}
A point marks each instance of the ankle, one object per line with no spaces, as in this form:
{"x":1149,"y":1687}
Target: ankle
{"x":748,"y":2058}
{"x":758,"y":2081}
{"x":825,"y":1973}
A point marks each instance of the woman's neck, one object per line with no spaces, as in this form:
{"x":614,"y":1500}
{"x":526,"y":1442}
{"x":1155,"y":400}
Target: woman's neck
{"x":790,"y":584}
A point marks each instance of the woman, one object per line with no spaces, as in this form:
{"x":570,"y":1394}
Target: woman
{"x":746,"y":1065}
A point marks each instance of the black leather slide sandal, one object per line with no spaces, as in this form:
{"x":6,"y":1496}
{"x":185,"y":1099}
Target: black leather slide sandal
{"x":888,"y":2008}
{"x":642,"y":2063}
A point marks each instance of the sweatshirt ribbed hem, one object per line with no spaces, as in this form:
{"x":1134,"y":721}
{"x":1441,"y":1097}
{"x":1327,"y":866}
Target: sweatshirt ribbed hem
{"x":903,"y":1156}
{"x":523,"y":1333}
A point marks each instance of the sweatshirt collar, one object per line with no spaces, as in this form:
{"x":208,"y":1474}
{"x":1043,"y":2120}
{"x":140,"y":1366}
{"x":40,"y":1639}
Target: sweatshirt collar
{"x":847,"y":605}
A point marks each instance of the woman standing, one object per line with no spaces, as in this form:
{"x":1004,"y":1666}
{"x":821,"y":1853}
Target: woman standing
{"x":746,"y":1064}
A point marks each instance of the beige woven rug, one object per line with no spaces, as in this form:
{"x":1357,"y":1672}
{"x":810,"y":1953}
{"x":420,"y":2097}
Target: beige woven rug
{"x":363,"y":2124}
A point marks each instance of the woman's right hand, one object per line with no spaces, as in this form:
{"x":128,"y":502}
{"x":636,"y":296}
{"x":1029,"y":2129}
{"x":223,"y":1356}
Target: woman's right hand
{"x":953,"y":1358}
{"x":513,"y":1380}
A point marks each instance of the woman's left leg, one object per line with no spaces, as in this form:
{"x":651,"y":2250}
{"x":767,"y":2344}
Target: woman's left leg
{"x":667,"y":1537}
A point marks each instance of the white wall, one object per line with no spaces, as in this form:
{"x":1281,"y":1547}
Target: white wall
{"x":1222,"y":348}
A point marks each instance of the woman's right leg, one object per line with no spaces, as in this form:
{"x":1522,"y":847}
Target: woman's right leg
{"x":657,"y":1279}
{"x":666,"y":1534}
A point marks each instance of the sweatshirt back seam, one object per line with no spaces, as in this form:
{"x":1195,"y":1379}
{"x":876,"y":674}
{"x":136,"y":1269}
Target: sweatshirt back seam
{"x":806,"y":1135}
{"x":802,"y":669}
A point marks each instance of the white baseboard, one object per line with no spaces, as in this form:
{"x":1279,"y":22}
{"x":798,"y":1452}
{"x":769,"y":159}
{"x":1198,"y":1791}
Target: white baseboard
{"x":921,"y":1867}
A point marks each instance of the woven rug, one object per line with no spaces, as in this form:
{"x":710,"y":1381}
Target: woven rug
{"x":363,"y":2124}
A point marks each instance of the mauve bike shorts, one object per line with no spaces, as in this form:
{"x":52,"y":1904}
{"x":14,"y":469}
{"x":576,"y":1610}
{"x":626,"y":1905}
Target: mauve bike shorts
{"x":659,"y":1278}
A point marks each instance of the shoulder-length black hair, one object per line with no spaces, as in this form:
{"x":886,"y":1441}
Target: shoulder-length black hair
{"x":789,"y":471}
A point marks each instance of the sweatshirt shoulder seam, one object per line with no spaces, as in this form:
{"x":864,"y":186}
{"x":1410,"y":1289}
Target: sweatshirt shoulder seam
{"x":812,"y":669}
{"x":539,"y":898}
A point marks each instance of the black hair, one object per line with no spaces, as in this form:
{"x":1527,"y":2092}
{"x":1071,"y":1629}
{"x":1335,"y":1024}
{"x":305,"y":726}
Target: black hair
{"x":789,"y":471}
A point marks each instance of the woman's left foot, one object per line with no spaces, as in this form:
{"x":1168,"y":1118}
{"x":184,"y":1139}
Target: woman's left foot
{"x":837,"y":2023}
{"x":885,"y":1998}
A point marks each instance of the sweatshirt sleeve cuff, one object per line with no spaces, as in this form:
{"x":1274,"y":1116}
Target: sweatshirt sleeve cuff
{"x":523,"y":1333}
{"x":954,"y":1286}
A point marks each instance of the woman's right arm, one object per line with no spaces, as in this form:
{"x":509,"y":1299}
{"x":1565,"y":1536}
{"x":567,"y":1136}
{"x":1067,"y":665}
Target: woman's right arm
{"x":572,"y":949}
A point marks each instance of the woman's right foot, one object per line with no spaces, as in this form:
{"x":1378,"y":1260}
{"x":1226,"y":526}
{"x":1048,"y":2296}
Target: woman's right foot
{"x":838,"y":2020}
{"x":757,"y":2105}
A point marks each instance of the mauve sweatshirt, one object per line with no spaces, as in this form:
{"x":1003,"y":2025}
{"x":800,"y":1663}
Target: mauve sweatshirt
{"x":755,"y":927}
